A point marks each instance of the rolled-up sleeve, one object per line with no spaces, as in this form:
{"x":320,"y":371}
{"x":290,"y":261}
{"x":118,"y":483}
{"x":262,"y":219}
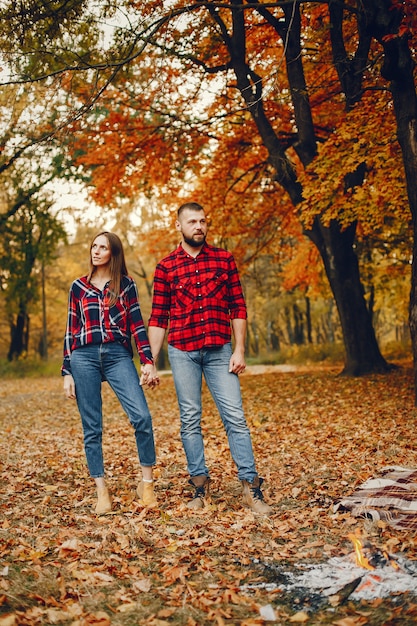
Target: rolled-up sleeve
{"x":161,"y":302}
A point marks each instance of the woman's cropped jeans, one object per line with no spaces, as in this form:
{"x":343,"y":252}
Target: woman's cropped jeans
{"x":111,"y":362}
{"x":188,"y":369}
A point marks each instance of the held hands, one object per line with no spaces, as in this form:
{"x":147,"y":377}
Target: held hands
{"x":149,"y":376}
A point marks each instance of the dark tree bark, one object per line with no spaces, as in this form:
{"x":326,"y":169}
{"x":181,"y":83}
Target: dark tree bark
{"x":308,"y":320}
{"x":342,"y":269}
{"x":299,"y":335}
{"x":398,"y":68}
{"x":19,"y":336}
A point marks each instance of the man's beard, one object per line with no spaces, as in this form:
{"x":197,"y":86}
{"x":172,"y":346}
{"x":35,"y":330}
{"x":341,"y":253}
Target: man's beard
{"x":193,"y":243}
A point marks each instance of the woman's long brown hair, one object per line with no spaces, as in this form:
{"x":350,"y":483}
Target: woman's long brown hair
{"x":117,"y":264}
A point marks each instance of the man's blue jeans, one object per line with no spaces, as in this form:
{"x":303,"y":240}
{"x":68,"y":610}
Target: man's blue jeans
{"x":92,"y":364}
{"x":188,"y":369}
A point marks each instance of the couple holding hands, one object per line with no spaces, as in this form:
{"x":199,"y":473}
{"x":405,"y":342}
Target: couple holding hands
{"x":198,"y":297}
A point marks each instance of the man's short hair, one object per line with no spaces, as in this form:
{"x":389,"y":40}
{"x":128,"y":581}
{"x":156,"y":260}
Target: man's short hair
{"x":192,"y":206}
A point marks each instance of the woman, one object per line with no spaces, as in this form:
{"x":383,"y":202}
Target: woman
{"x":103,"y":315}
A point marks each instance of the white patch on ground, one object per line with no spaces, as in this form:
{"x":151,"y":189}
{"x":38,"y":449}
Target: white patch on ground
{"x":332,"y":577}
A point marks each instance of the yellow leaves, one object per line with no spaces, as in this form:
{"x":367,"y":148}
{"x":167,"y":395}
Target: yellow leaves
{"x":364,"y":135}
{"x":299,"y":618}
{"x":172,"y":547}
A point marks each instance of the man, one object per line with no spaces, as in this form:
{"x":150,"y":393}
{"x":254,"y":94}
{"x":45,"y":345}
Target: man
{"x":197,"y":293}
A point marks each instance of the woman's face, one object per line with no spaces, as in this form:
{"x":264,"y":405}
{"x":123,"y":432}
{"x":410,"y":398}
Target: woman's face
{"x":100,"y":251}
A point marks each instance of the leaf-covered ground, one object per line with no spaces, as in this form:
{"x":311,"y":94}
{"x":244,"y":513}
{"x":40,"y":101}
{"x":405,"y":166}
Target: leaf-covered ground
{"x":316,"y":436}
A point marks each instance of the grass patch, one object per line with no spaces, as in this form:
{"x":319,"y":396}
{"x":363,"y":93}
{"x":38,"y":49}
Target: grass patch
{"x":300,"y":355}
{"x":29,"y":367}
{"x":329,"y":354}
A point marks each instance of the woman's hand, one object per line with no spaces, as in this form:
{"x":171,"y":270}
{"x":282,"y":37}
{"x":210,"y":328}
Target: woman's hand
{"x":69,"y":387}
{"x":149,"y":375}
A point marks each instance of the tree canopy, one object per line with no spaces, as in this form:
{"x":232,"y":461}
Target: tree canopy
{"x":281,"y":117}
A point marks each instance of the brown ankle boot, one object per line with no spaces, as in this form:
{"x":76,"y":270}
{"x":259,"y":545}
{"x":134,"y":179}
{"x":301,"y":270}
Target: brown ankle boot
{"x":253,"y":497}
{"x":103,"y":505}
{"x":201,"y":495}
{"x":146,"y":494}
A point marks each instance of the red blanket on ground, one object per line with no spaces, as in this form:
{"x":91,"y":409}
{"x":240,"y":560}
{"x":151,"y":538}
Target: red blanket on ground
{"x":391,"y":497}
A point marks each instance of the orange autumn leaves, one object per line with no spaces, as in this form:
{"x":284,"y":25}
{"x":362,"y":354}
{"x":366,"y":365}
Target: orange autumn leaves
{"x":316,"y":437}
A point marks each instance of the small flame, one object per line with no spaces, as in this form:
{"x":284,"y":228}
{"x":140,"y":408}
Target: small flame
{"x":361,"y":559}
{"x":391,"y":561}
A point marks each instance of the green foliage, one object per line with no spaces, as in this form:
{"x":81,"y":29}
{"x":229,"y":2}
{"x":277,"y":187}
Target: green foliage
{"x":39,"y":38}
{"x":29,"y":368}
{"x":30,"y":236}
{"x":29,"y":240}
{"x":301,"y":355}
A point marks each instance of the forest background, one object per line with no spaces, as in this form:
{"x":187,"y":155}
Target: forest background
{"x":285,"y":120}
{"x":294,"y":124}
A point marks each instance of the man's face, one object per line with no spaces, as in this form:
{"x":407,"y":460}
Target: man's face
{"x":193,"y":227}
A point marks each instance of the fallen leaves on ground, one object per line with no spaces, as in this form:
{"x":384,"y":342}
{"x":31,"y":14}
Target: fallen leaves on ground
{"x":316,"y":436}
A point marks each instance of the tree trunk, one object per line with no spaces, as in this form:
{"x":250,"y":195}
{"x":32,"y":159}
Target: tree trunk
{"x":298,"y":325}
{"x":405,"y":106}
{"x":384,"y":21}
{"x":19,"y":336}
{"x":43,"y":347}
{"x":308,"y":321}
{"x":335,"y":246}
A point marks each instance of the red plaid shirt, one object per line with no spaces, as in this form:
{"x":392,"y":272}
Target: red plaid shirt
{"x":197,"y":298}
{"x":92,"y":321}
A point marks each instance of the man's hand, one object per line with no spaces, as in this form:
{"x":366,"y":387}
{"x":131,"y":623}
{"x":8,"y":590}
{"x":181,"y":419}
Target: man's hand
{"x":149,"y":376}
{"x":237,"y":363}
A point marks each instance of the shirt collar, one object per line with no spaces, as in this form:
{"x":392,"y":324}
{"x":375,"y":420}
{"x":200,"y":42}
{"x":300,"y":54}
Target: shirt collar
{"x":204,"y":250}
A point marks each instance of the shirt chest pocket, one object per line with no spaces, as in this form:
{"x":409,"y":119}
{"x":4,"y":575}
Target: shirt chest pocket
{"x":215,"y":285}
{"x":184,"y":292}
{"x":187,"y":291}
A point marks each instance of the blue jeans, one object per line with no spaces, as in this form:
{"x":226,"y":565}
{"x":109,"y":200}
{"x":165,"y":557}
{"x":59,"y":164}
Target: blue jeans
{"x":111,"y":362}
{"x":188,"y":369}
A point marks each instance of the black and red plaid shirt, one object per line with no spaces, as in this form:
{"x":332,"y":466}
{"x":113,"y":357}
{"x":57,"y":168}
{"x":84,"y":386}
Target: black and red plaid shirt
{"x":197,"y":298}
{"x":92,"y":321}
